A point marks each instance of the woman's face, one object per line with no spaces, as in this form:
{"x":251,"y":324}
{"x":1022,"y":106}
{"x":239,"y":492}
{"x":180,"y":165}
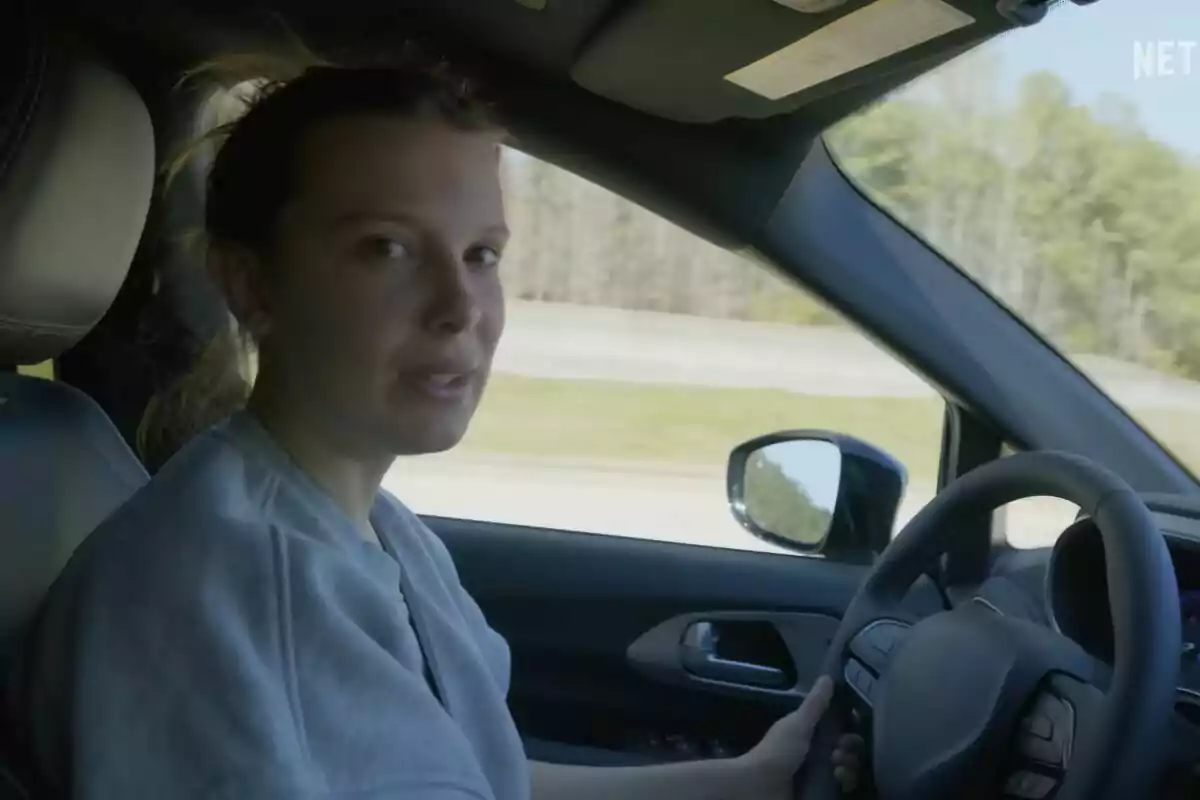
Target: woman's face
{"x":382,"y":297}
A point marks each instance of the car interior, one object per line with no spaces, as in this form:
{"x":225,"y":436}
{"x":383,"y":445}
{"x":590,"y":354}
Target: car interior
{"x":973,"y":669}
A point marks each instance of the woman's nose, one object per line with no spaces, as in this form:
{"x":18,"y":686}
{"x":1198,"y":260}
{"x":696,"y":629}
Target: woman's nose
{"x":453,"y":307}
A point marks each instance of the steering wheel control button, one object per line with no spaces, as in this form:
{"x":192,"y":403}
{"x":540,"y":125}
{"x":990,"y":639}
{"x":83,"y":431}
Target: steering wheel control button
{"x":1040,"y":726}
{"x":1028,"y":785}
{"x":1047,"y":732}
{"x":875,"y":643}
{"x":1043,"y":751}
{"x":860,"y":680}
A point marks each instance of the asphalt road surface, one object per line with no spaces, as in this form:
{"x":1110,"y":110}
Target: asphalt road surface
{"x":565,"y":341}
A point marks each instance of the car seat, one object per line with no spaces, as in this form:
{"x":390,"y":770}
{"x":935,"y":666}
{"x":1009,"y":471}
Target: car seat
{"x":76,"y":180}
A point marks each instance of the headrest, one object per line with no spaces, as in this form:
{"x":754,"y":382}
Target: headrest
{"x":76,"y":178}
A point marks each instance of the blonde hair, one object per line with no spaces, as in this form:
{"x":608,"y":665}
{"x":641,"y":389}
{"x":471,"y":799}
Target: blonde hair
{"x":216,"y":385}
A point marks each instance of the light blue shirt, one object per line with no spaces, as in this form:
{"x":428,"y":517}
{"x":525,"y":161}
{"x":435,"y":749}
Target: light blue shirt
{"x":229,"y":634}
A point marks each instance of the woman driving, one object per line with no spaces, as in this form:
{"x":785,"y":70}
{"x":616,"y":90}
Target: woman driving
{"x":262,"y":621}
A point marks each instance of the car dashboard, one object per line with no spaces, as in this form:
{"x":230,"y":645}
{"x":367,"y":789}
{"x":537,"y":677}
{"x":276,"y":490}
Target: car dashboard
{"x":1066,"y":588}
{"x":1076,"y":593}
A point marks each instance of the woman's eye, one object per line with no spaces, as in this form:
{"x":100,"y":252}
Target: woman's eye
{"x":387,"y":248}
{"x":484,"y":257}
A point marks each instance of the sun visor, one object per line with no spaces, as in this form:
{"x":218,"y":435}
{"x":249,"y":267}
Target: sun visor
{"x":857,"y":40}
{"x":708,"y":60}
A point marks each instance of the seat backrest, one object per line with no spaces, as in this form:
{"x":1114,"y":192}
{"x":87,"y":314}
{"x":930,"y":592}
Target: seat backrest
{"x":76,"y":180}
{"x":63,"y":469}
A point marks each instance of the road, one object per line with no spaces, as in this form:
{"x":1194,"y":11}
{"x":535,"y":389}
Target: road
{"x":570,"y":342}
{"x":565,"y":341}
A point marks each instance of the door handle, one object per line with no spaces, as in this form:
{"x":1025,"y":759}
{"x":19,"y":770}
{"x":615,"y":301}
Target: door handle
{"x":699,"y":656}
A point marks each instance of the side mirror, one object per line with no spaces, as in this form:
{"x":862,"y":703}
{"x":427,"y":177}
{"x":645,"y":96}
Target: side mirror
{"x":817,"y":492}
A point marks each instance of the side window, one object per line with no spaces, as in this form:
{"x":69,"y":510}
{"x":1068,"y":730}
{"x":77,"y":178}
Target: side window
{"x":636,"y":356}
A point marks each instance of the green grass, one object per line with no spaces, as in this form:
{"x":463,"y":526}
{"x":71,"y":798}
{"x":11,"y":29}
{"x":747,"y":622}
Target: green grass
{"x":603,"y":420}
{"x":1178,"y":430}
{"x":595,"y":420}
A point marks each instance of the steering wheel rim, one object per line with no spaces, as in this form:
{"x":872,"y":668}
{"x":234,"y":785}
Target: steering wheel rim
{"x":1120,"y":717}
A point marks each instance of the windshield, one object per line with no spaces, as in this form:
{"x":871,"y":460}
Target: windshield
{"x":1060,"y":167}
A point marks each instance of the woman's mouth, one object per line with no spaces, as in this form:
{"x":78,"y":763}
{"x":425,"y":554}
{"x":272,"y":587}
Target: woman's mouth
{"x":442,"y":386}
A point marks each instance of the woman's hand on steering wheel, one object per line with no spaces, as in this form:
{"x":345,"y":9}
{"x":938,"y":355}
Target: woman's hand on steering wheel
{"x":770,"y":767}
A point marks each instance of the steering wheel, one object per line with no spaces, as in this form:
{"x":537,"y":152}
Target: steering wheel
{"x":973,"y":703}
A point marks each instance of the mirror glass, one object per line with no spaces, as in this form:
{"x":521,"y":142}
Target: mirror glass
{"x":790,"y":488}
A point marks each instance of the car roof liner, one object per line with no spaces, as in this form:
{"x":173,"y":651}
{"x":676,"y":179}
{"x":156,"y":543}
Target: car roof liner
{"x":631,"y":94}
{"x":631,"y":68}
{"x":668,"y":58}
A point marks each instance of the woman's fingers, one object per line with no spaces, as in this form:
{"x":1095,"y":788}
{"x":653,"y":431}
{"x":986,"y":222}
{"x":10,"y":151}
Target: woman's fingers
{"x":852,"y":743}
{"x":848,"y":761}
{"x":847,"y":778}
{"x":814,"y":707}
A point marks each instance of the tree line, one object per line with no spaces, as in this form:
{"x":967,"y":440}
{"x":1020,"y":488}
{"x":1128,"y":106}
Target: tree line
{"x":574,"y":242}
{"x":1069,"y":212}
{"x":781,"y":505}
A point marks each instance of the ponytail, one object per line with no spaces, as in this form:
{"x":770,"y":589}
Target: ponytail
{"x":216,"y":386}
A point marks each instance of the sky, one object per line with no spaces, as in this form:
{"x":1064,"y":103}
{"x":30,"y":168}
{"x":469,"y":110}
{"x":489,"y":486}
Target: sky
{"x":1095,"y":50}
{"x":815,"y":465}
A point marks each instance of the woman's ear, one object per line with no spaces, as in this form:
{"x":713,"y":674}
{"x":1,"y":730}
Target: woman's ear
{"x":238,"y":274}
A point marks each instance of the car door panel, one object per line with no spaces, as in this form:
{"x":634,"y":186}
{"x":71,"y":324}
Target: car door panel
{"x":596,"y":626}
{"x":761,"y":656}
